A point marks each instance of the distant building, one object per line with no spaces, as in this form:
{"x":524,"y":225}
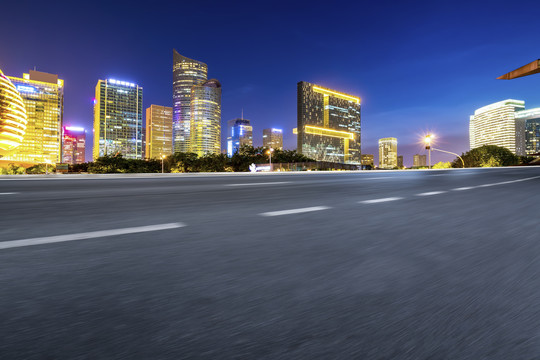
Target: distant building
{"x":388,"y":153}
{"x":328,"y":124}
{"x":497,"y":124}
{"x":43,"y":97}
{"x":205,"y":132}
{"x":531,"y":117}
{"x":186,"y":74}
{"x":239,"y":133}
{"x":74,"y":145}
{"x":419,"y":160}
{"x":273,"y":138}
{"x":159,"y":134}
{"x":367,"y":159}
{"x":118,"y":119}
{"x":400,"y":161}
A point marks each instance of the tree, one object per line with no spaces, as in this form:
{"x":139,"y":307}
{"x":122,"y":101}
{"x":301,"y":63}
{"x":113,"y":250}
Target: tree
{"x":442,"y":165}
{"x":487,"y":156}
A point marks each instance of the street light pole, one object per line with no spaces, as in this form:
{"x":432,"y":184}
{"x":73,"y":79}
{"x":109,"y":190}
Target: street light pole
{"x":270,"y":152}
{"x":427,"y":141}
{"x":162,"y":158}
{"x":449,"y":152}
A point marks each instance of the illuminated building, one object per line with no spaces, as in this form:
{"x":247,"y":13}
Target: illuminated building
{"x":400,"y":161}
{"x":13,"y":118}
{"x":239,"y":133}
{"x":497,"y":124}
{"x":205,"y":132}
{"x":186,"y":74}
{"x":273,"y":138}
{"x":328,"y":124}
{"x":159,"y":133}
{"x":118,"y":119}
{"x":367,"y":160}
{"x":43,"y":98}
{"x":73,"y":145}
{"x":388,"y":158}
{"x":419,"y":160}
{"x":531,"y":118}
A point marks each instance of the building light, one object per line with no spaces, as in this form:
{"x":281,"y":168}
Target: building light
{"x":25,"y":88}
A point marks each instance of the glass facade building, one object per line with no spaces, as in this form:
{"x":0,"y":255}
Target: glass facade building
{"x":186,"y":74}
{"x":159,"y":131}
{"x":239,"y":133}
{"x":205,"y":132}
{"x":273,"y":138}
{"x":388,"y":157}
{"x":497,"y":124}
{"x":43,"y":98}
{"x":118,"y":119}
{"x":531,"y":118}
{"x":13,"y":118}
{"x":328,"y":124}
{"x":73,"y":145}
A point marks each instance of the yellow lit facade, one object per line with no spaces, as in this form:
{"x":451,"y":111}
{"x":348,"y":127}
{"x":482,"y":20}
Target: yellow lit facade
{"x":43,"y":98}
{"x":498,"y":124}
{"x":159,"y":136}
{"x":329,"y":124}
{"x":205,"y":132}
{"x":388,"y":157}
{"x":273,"y":138}
{"x":13,"y":118}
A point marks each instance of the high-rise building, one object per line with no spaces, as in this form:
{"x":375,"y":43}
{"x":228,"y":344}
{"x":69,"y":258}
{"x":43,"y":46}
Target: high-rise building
{"x":205,"y":133}
{"x":328,"y":124}
{"x":400,"y":161}
{"x":273,"y":138}
{"x":388,"y":158}
{"x":13,"y":117}
{"x":43,"y":98}
{"x":118,"y":119}
{"x":419,"y":160}
{"x":239,"y":133}
{"x":159,"y":131}
{"x":186,"y":74}
{"x":367,"y":160}
{"x":531,"y":117}
{"x":73,"y":145}
{"x":497,"y":124}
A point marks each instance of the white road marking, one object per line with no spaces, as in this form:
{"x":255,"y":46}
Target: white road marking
{"x":262,"y":183}
{"x":87,"y":235}
{"x":431,"y":193}
{"x":8,"y":193}
{"x":377,"y":178}
{"x":295,"y":211}
{"x":509,"y":182}
{"x":464,"y":188}
{"x":438,"y":175}
{"x":374,"y":201}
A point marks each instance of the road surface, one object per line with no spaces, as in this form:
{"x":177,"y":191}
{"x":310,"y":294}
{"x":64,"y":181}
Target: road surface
{"x":360,"y":265}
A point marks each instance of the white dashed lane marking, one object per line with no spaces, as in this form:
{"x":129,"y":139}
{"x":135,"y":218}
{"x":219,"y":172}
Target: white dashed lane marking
{"x":295,"y":211}
{"x":431,"y":193}
{"x":374,"y":201}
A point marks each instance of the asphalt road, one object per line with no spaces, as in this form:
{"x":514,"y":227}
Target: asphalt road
{"x":365,"y":265}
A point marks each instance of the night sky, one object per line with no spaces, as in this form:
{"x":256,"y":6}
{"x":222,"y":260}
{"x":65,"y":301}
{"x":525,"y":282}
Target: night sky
{"x":418,"y":66}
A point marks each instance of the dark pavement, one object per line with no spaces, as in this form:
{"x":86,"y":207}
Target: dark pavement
{"x":451,"y":274}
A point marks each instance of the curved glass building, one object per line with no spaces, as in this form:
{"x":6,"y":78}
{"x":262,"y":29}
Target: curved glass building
{"x":205,"y":134}
{"x":186,"y":74}
{"x":13,"y":117}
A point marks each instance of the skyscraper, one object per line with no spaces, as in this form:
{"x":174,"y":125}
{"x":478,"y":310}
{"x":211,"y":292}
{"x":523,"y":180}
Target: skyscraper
{"x":43,"y":97}
{"x":273,"y":138}
{"x":328,"y":124}
{"x":118,"y":119}
{"x":497,"y":124}
{"x":186,"y":74}
{"x":400,"y":161}
{"x":419,"y":160}
{"x":388,"y":158}
{"x":239,"y":133}
{"x":205,"y":132}
{"x":531,"y":117}
{"x":159,"y":134}
{"x":73,"y":145}
{"x":13,"y":117}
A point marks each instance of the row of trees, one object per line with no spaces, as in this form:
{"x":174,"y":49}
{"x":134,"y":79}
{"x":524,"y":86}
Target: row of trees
{"x":490,"y":156}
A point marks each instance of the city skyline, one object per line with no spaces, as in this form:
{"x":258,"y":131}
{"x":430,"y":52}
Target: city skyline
{"x":439,"y":102}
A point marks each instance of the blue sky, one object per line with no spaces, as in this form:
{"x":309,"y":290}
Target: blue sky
{"x":417,"y":65}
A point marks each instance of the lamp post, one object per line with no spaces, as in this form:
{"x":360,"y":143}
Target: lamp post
{"x":162,"y":158}
{"x":427,"y":141}
{"x":449,"y":152}
{"x":270,"y":153}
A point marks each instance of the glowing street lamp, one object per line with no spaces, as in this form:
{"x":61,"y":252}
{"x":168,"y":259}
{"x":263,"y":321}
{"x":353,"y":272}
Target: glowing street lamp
{"x":162,"y":158}
{"x":270,"y":153}
{"x":427,"y":141}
